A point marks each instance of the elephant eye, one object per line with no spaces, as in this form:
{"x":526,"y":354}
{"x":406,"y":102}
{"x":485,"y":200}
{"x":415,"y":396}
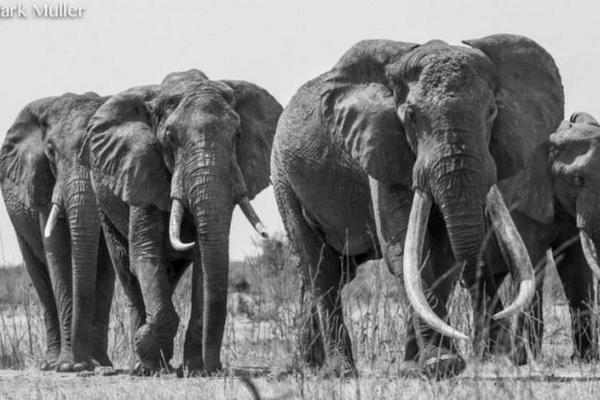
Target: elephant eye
{"x":578,"y":180}
{"x":409,"y":116}
{"x":50,"y":151}
{"x":492,"y":111}
{"x":170,"y":135}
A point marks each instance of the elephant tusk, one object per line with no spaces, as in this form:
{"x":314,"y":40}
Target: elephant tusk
{"x":413,"y":249}
{"x":52,"y":219}
{"x":513,"y":249}
{"x":175,"y":227}
{"x":250,"y":214}
{"x":589,"y":250}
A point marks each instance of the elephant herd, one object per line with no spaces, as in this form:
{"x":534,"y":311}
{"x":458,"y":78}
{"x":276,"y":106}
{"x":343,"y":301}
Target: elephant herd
{"x":452,"y":163}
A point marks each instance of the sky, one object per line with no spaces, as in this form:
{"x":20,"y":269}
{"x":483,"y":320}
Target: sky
{"x":276,"y":44}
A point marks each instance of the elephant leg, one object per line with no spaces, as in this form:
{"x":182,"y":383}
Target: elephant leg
{"x":40,"y":278}
{"x":500,"y":335}
{"x":438,"y":355}
{"x":58,"y":256}
{"x":325,"y":337}
{"x":105,"y":285}
{"x":491,"y":336}
{"x":118,"y":250}
{"x":577,"y":280}
{"x":530,"y":326}
{"x":175,"y":272}
{"x":147,"y":236}
{"x":192,"y":350}
{"x":324,"y":278}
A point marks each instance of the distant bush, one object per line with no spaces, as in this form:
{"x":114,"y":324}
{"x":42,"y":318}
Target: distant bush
{"x":14,"y":285}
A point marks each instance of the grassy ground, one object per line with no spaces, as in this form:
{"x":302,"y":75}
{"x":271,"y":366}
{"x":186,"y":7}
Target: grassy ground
{"x":260,"y":350}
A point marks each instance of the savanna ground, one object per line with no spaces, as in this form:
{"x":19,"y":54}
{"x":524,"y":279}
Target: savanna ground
{"x":261,"y":352}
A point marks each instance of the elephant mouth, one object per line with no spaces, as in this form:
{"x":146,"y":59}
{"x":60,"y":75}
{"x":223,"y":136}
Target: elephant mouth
{"x":510,"y":242}
{"x":176,"y":216}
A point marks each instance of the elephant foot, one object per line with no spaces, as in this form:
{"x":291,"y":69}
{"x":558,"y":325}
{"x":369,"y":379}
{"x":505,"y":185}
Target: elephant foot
{"x":586,"y":356}
{"x":520,"y":355}
{"x":49,"y":361}
{"x":440,"y":363}
{"x":198,"y":372}
{"x":336,"y":367}
{"x":72,"y":366}
{"x":191,"y":367}
{"x":139,"y":369}
{"x":153,"y":350}
{"x":102,"y":359}
{"x":67,"y":363}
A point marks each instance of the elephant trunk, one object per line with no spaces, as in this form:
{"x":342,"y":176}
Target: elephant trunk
{"x":459,"y":192}
{"x":84,"y":224}
{"x":460,"y":196}
{"x":210,"y":199}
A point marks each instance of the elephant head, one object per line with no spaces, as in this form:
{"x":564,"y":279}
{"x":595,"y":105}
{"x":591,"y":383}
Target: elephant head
{"x":448,"y":121}
{"x":564,"y":173}
{"x":40,"y":167}
{"x":189,"y":143}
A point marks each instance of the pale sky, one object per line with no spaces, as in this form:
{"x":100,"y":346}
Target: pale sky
{"x":276,"y":44}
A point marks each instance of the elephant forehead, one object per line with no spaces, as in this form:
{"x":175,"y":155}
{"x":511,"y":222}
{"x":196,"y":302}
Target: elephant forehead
{"x":70,"y":107}
{"x":183,"y":76}
{"x":437,"y":64}
{"x":203,"y":110}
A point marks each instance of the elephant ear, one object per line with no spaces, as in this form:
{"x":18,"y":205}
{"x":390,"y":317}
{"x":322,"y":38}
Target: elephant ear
{"x":530,"y":190}
{"x":24,"y":168}
{"x":360,"y":110}
{"x":529,"y":96}
{"x":122,"y":152}
{"x":259,"y":112}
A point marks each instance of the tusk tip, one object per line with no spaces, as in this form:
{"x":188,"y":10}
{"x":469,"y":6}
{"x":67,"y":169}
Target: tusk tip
{"x":526,"y":293}
{"x":180,"y":246}
{"x":262,"y":231}
{"x":501,"y":315}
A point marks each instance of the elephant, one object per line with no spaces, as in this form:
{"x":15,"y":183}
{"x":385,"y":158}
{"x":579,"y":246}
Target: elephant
{"x":52,"y":207}
{"x":395,"y":153}
{"x":555,"y":206}
{"x":168,"y":164}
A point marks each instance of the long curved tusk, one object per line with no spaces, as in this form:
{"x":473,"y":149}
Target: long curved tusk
{"x":413,"y":249}
{"x":514,"y":249}
{"x":589,"y":250}
{"x":52,"y":219}
{"x":250,"y":214}
{"x":175,"y":227}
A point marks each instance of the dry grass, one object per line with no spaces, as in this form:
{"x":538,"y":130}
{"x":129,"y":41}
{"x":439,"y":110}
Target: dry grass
{"x":261,"y":341}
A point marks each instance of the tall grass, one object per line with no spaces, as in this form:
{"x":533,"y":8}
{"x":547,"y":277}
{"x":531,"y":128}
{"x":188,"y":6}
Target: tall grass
{"x":264,"y":321}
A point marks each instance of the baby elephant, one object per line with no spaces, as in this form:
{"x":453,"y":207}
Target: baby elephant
{"x":555,"y":201}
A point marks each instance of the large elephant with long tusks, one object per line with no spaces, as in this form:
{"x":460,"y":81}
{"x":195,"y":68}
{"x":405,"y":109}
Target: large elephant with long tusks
{"x":169,"y":163}
{"x":555,"y":206}
{"x":51,"y":204}
{"x":396,"y":152}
